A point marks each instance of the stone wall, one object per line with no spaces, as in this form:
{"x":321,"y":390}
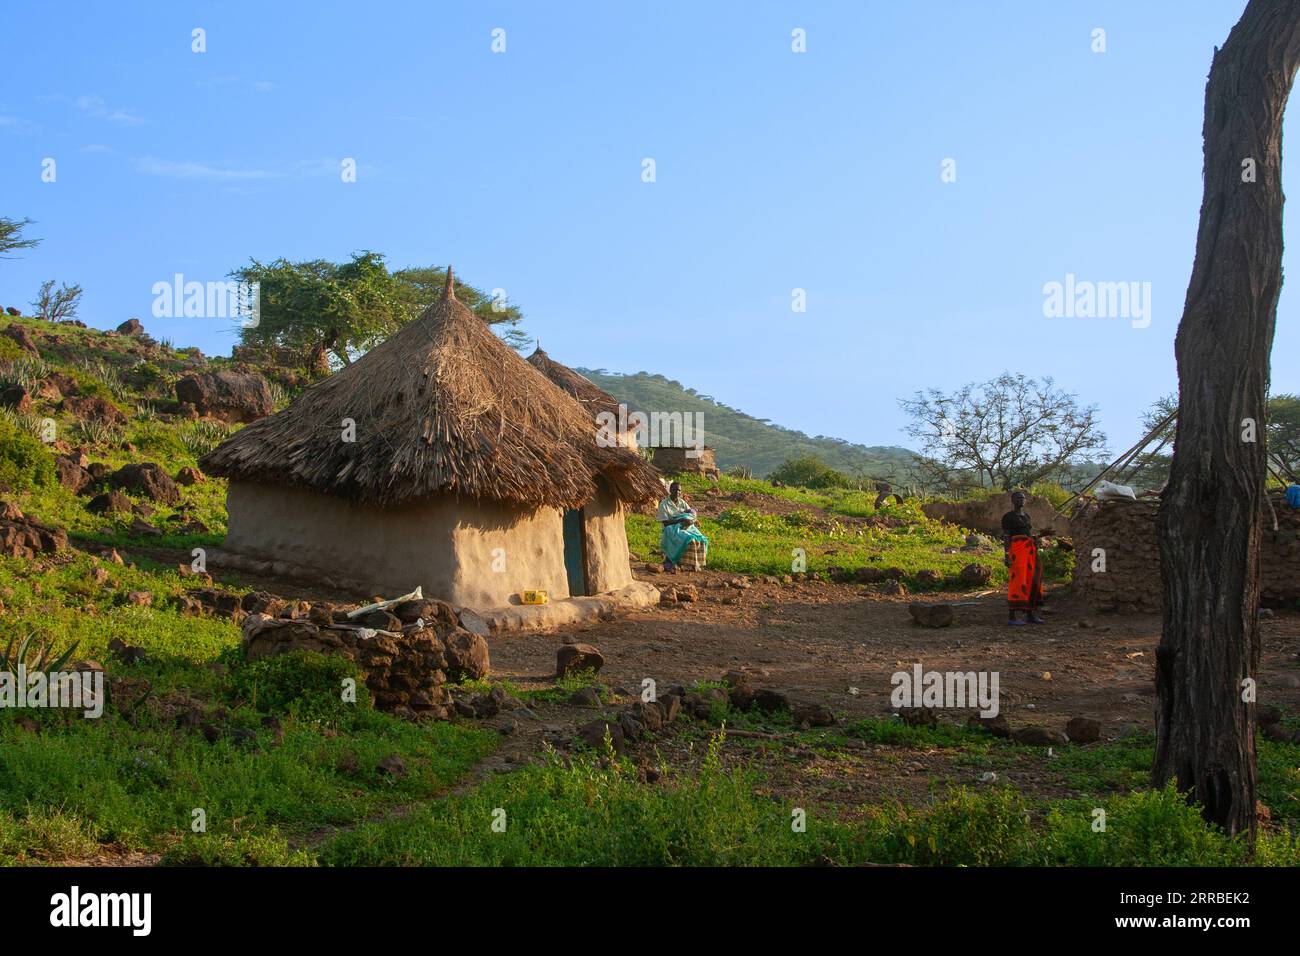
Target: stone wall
{"x":1126,"y":531}
{"x":985,"y":514}
{"x":406,"y":665}
{"x":676,"y":461}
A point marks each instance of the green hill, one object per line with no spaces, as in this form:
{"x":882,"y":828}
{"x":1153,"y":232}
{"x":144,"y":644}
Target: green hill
{"x":742,"y":440}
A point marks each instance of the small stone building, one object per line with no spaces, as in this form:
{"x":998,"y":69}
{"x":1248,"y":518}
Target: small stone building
{"x":676,"y":461}
{"x":439,"y":459}
{"x":1127,"y":532}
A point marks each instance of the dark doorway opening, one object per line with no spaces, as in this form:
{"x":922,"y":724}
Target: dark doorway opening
{"x":575,"y":551}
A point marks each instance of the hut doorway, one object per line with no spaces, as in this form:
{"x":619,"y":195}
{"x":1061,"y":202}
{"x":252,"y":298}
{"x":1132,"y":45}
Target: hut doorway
{"x":575,"y":556}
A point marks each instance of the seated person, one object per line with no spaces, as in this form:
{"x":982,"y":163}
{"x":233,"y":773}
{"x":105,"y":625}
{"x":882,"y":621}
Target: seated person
{"x":681,"y":531}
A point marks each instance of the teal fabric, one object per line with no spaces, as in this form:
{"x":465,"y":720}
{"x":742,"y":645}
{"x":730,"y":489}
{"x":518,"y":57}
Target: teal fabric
{"x":677,"y":538}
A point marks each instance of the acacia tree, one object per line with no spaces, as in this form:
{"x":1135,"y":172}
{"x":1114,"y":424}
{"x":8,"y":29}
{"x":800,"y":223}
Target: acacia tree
{"x":1210,"y":513}
{"x":11,"y":235}
{"x":321,"y":308}
{"x":1008,"y":432}
{"x":57,"y":305}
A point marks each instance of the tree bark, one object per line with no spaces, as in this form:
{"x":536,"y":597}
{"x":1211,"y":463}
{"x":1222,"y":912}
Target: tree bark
{"x":1211,"y":510}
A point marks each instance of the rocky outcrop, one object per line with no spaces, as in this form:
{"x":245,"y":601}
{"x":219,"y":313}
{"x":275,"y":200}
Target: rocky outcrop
{"x":93,"y":409}
{"x":148,"y":480}
{"x":228,"y":395}
{"x":21,"y":537}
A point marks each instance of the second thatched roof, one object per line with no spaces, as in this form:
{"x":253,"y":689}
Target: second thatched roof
{"x":584,"y":391}
{"x":442,"y":406}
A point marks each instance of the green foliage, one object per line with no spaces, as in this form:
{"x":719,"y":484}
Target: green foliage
{"x":10,"y":351}
{"x":341,"y":308}
{"x":33,"y":656}
{"x":11,"y":235}
{"x":25,"y":462}
{"x":25,"y":372}
{"x":252,"y":849}
{"x":202,"y":436}
{"x":98,"y":431}
{"x":809,"y":471}
{"x":303,"y":683}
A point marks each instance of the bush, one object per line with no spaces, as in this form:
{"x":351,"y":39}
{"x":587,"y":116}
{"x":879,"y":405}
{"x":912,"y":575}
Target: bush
{"x":808,"y":471}
{"x":10,"y":351}
{"x":304,"y":684}
{"x":25,"y":462}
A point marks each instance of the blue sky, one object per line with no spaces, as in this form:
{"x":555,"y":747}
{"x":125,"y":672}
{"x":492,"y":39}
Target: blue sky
{"x":775,"y":170}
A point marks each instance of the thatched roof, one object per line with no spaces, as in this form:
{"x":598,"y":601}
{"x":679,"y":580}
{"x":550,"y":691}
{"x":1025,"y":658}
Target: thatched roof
{"x":442,"y":406}
{"x":586,"y":392}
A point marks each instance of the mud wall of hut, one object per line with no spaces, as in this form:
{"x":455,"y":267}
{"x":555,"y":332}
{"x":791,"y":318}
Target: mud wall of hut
{"x":1126,"y":532}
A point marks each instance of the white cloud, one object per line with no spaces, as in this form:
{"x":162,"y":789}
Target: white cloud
{"x":96,"y":107}
{"x":224,"y":172}
{"x":173,"y":169}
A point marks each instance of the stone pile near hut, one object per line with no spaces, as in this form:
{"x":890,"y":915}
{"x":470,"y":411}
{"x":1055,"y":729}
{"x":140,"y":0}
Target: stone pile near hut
{"x":407,"y":652}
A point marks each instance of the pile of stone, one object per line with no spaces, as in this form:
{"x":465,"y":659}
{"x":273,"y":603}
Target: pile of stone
{"x":407,"y":651}
{"x":679,"y":594}
{"x":22,"y":537}
{"x":1126,"y":531}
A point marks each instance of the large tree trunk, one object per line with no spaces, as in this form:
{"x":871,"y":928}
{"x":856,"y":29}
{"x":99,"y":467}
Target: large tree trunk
{"x":1211,"y":511}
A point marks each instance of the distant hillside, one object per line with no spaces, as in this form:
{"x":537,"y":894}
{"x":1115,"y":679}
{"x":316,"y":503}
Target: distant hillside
{"x":743,"y":440}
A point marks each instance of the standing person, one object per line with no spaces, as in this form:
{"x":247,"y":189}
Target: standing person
{"x":681,"y":530}
{"x":1020,"y":550}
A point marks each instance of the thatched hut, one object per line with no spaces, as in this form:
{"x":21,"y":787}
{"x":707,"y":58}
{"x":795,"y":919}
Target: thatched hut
{"x":594,"y":399}
{"x":441,"y":459}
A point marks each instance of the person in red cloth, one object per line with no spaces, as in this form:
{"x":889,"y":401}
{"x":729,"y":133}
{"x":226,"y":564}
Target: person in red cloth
{"x":1025,"y":584}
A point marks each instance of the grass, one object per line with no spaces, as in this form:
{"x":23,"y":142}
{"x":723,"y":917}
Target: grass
{"x":594,"y":812}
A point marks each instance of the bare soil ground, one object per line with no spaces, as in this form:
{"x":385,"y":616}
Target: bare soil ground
{"x":822,"y":641}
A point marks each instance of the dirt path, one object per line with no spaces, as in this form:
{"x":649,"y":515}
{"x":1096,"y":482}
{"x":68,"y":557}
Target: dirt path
{"x":818,"y":640}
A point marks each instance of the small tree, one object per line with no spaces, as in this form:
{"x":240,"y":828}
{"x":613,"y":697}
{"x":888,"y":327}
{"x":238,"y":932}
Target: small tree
{"x":11,"y":236}
{"x":1008,"y":432}
{"x":808,"y":471}
{"x":57,"y":305}
{"x":321,"y":308}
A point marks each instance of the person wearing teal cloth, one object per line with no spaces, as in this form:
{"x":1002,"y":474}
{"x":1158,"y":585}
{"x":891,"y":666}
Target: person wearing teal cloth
{"x":681,"y":527}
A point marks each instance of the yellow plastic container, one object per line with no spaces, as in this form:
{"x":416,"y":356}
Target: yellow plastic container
{"x":533,"y":597}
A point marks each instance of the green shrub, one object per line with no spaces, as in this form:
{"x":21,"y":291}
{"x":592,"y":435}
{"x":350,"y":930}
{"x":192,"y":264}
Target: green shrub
{"x":153,"y":438}
{"x":25,"y":462}
{"x":808,"y":471}
{"x":305,"y":684}
{"x":10,"y":351}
